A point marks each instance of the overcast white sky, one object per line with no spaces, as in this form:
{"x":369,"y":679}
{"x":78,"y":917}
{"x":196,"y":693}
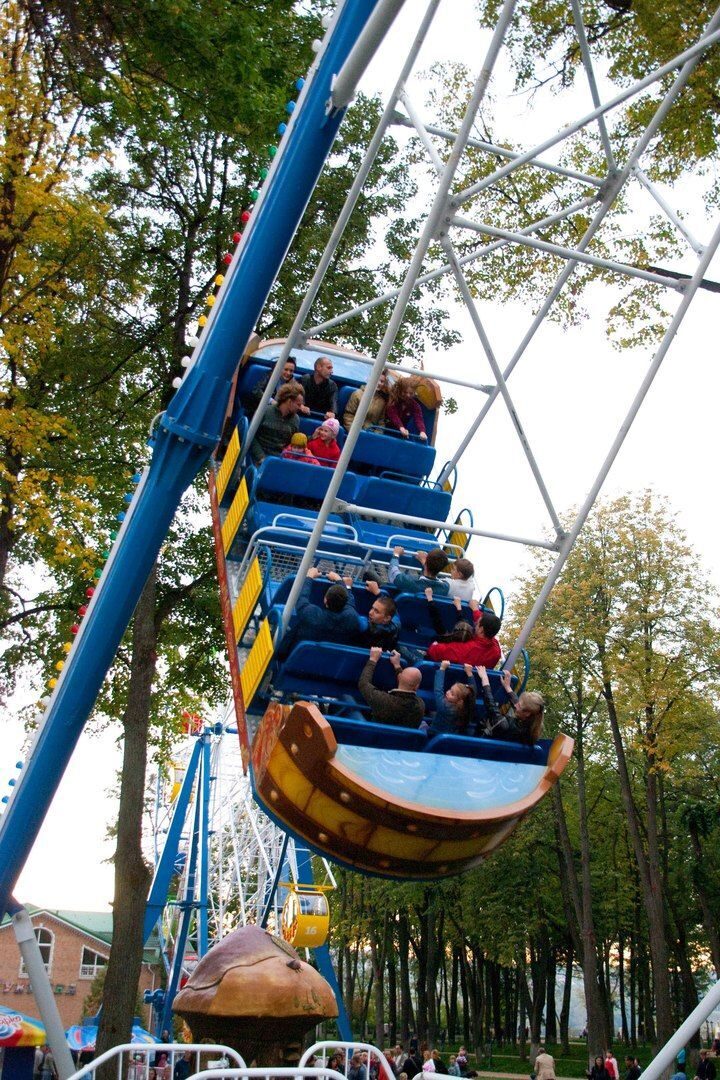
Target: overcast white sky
{"x":571,"y":392}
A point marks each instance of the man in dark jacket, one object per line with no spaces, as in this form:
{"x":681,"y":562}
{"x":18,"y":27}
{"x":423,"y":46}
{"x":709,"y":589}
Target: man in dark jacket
{"x":321,"y":392}
{"x":705,"y":1067}
{"x":336,"y":621}
{"x":402,"y":706}
{"x":381,"y":626}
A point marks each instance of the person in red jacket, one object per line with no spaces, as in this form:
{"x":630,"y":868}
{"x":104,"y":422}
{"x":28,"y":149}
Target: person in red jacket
{"x":463,"y":644}
{"x":324,"y":445}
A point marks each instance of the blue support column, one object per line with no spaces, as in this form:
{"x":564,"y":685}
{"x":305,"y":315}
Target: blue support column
{"x":270,"y":899}
{"x":326,"y":969}
{"x":204,"y":883}
{"x":322,"y":954}
{"x":186,"y":434}
{"x":188,"y":910}
{"x":165,"y":869}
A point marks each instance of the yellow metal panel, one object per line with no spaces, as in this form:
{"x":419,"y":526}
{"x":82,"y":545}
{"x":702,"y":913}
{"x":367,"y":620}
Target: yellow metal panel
{"x":247,"y":600}
{"x":287,"y":778}
{"x":256,"y":664}
{"x":228,"y":464}
{"x":458,"y":539}
{"x":235,"y":515}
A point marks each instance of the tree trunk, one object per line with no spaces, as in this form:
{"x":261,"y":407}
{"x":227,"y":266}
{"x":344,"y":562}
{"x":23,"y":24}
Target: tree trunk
{"x":633,"y":991}
{"x":392,"y":987}
{"x":700,"y":876}
{"x":378,"y":965}
{"x":621,"y":990}
{"x":132,"y":874}
{"x":420,"y":948}
{"x":565,"y":1007}
{"x":581,"y":897}
{"x":406,"y":1017}
{"x":477,"y":1000}
{"x":452,"y":1015}
{"x":648,"y":863}
{"x":465,"y":995}
{"x":522,"y":1010}
{"x":510,"y":1006}
{"x":536,"y":1004}
{"x":431,"y":972}
{"x":496,"y":1026}
{"x":12,"y":465}
{"x":550,"y":1014}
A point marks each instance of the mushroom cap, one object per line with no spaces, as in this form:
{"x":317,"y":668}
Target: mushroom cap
{"x":250,"y":973}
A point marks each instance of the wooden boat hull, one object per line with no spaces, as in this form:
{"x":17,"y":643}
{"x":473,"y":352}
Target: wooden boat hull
{"x":335,"y":798}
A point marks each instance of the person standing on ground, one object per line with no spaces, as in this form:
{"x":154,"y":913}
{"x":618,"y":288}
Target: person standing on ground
{"x":705,"y":1067}
{"x":633,"y":1070}
{"x":183,"y":1067}
{"x":544,"y":1065}
{"x":598,"y":1072}
{"x":48,"y":1070}
{"x":611,"y":1065}
{"x":38,"y":1062}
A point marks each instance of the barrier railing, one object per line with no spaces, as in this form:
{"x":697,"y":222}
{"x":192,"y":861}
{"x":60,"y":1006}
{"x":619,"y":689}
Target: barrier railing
{"x":138,"y":1064}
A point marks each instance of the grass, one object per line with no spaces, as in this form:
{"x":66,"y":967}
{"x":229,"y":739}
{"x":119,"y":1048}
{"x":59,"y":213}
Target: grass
{"x":506,"y":1059}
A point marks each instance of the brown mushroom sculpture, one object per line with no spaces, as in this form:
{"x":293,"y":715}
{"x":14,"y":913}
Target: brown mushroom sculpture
{"x":253,"y":992}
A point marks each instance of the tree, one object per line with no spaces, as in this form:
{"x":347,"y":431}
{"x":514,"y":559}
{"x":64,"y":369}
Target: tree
{"x":52,"y":261}
{"x":633,"y":624}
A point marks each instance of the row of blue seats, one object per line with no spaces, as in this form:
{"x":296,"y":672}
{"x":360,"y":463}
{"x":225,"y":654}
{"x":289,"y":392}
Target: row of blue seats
{"x":412,"y":608}
{"x":324,"y":669}
{"x":386,"y":737}
{"x":277,"y":484}
{"x":375,"y":451}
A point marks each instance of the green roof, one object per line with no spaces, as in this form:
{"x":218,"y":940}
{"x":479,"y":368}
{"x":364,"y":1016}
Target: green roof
{"x":99,"y":924}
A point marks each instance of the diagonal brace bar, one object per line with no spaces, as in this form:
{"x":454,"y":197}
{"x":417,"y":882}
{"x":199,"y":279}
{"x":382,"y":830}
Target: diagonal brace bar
{"x":501,"y":384}
{"x":567,"y":253}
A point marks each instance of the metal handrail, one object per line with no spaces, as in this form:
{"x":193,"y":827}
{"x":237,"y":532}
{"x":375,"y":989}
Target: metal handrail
{"x":340,"y":1044}
{"x":145,"y":1050}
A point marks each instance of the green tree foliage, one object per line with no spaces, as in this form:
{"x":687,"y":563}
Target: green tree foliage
{"x":614,"y":869}
{"x":627,"y":41}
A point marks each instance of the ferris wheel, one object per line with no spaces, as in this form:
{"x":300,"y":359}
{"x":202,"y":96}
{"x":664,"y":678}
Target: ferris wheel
{"x":221,"y":863}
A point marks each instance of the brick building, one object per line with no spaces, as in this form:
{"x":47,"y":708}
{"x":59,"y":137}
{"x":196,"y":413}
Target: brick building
{"x":75,"y":946}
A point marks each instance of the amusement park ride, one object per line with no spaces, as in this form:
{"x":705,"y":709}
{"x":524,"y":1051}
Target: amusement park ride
{"x":385,"y":800}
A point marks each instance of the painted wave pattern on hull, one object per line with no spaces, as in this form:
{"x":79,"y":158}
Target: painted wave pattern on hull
{"x":439,"y":781}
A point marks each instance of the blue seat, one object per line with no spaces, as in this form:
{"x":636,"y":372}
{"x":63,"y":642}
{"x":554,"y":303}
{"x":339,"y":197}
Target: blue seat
{"x":383,"y":736}
{"x":394,"y":496}
{"x":249,"y":376}
{"x":490,"y":749}
{"x":317,"y":665}
{"x":263,"y":515}
{"x":292,"y":482}
{"x":414,"y":614}
{"x":294,"y":479}
{"x":386,"y":452}
{"x":378,"y":493}
{"x":344,"y":394}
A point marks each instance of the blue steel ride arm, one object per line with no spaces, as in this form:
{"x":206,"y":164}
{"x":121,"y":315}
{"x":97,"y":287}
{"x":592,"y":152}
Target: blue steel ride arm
{"x":186,"y":434}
